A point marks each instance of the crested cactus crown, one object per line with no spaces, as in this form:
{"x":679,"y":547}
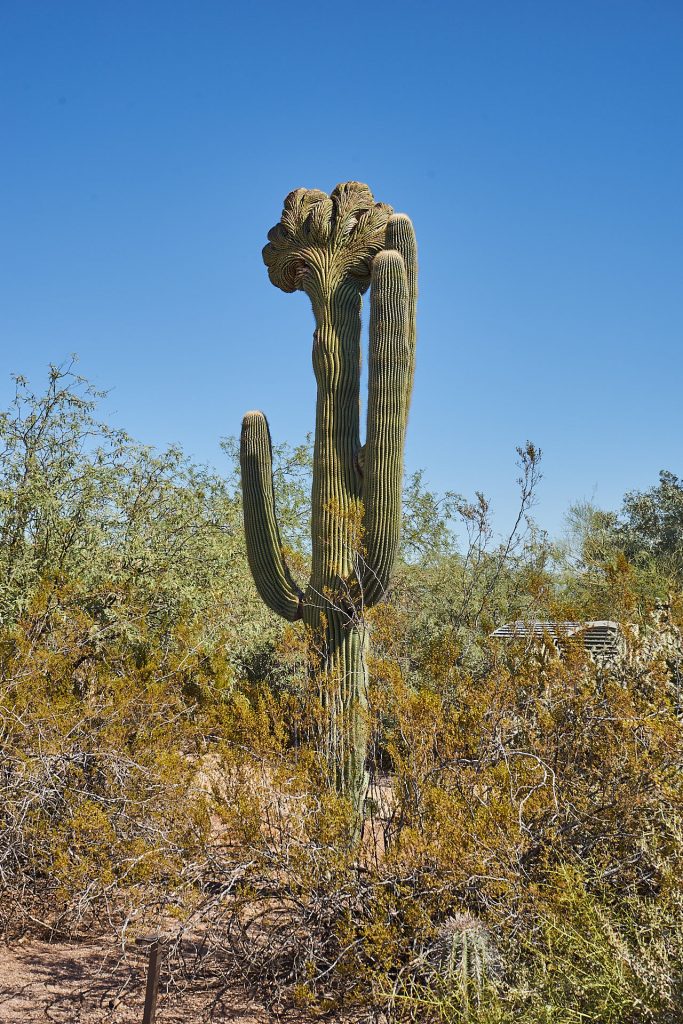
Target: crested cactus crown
{"x":322,"y":240}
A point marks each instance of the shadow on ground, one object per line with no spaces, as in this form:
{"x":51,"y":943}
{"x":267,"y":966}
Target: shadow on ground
{"x":77,"y":983}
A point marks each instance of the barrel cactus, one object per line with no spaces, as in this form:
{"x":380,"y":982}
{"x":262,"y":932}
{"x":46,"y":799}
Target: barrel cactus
{"x":462,"y":957}
{"x":332,"y":247}
{"x":450,"y":976}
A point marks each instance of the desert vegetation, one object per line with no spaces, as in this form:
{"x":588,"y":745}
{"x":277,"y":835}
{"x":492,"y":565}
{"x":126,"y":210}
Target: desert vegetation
{"x":521,"y":846}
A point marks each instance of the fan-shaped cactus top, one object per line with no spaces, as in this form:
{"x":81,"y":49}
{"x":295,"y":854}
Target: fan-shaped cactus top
{"x":321,"y":239}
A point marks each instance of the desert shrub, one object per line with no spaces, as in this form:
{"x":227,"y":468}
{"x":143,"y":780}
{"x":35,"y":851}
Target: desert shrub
{"x":98,"y":814}
{"x":146,"y":542}
{"x":538,"y":802}
{"x":160,"y":754}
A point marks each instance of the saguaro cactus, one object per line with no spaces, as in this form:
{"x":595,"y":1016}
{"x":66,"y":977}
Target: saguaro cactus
{"x":333,"y":247}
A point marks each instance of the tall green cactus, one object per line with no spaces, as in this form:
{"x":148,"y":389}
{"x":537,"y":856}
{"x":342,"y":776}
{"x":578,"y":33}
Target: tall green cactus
{"x":333,"y":247}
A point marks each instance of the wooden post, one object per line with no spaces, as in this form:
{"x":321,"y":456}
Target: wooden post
{"x":153,"y":969}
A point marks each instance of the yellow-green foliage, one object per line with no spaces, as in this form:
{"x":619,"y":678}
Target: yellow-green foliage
{"x":96,"y":789}
{"x":541,"y":799}
{"x":161,"y":754}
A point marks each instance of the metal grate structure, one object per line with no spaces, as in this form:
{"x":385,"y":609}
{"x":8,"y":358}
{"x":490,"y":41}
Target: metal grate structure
{"x":600,"y":638}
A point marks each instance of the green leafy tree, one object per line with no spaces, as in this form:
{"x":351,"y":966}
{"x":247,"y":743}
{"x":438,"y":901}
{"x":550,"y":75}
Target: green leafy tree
{"x":616,"y":565}
{"x":651,"y":525}
{"x":143,"y":541}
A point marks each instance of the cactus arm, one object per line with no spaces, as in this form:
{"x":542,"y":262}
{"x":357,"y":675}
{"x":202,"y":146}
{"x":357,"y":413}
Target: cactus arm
{"x":389,"y":367}
{"x":401,"y":237}
{"x":264,"y":548}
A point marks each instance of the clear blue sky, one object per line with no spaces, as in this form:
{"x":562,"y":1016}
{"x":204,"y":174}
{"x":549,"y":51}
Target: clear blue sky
{"x":538,"y":146}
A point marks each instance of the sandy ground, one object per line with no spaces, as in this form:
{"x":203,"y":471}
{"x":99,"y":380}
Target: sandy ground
{"x":89,"y":984}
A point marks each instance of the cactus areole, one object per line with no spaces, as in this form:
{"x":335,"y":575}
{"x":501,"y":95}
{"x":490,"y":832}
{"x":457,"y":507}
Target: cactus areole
{"x":332,"y":248}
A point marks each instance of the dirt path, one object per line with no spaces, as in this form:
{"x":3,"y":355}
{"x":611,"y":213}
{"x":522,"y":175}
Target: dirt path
{"x":90,"y":984}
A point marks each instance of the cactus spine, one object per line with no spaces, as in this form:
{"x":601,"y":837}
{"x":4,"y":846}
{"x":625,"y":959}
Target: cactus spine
{"x":332,"y":248}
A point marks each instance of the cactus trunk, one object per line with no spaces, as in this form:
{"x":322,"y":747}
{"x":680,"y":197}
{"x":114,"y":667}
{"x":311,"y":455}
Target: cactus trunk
{"x":342,"y":679}
{"x":333,"y":247}
{"x":336,"y":492}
